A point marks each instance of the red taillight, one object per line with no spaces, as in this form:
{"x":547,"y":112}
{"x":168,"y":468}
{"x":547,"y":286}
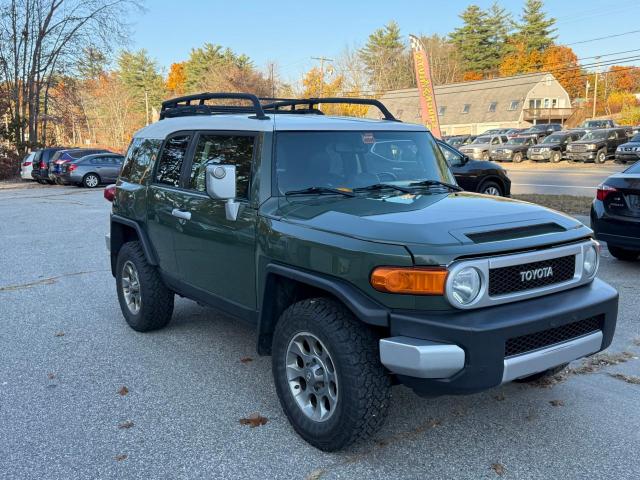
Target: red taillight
{"x":72,"y":167}
{"x":110,"y":192}
{"x":26,"y":164}
{"x":43,"y":165}
{"x":603,"y":191}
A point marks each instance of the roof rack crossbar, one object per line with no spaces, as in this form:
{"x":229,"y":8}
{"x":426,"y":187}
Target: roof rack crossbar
{"x":195,"y":105}
{"x":312,"y":102}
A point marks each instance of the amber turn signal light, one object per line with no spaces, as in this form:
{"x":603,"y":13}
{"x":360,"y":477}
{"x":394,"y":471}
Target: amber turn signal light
{"x":412,"y":280}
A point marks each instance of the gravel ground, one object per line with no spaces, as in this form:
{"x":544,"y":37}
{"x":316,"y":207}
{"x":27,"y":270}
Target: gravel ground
{"x":66,"y":353}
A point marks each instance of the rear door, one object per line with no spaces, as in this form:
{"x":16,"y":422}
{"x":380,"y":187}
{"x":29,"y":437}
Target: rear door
{"x":216,"y":256}
{"x":165,"y":200}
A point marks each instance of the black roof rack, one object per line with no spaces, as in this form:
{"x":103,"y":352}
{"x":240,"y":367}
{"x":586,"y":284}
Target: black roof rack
{"x":311,"y":104}
{"x":195,"y":105}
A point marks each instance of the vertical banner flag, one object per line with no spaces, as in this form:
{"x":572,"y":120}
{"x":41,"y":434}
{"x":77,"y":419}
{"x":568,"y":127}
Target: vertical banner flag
{"x":428,"y":107}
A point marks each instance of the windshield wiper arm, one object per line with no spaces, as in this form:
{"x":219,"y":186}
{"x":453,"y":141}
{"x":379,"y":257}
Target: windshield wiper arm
{"x":436,"y":183}
{"x":320,"y":191}
{"x":382,"y":186}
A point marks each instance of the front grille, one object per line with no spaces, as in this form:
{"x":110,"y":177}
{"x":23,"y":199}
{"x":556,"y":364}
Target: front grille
{"x":546,"y":338}
{"x":578,"y":148}
{"x":528,"y":276}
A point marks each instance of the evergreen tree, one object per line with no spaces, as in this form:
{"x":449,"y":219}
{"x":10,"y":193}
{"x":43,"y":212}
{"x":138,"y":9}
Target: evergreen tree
{"x":474,"y":40}
{"x":386,"y":60}
{"x":536,"y":30}
{"x":202,"y":61}
{"x":141,"y":78}
{"x":500,"y":28}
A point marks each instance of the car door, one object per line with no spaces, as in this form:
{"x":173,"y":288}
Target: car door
{"x":111,"y":169}
{"x":165,"y":201}
{"x":460,"y":166}
{"x":216,"y":256}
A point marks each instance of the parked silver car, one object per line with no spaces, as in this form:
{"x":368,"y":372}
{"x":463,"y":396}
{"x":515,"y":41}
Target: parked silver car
{"x":92,"y":170}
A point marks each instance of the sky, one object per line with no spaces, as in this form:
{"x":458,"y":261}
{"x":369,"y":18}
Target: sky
{"x":291,"y":32}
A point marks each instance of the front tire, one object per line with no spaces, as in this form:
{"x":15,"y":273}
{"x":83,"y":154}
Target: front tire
{"x":601,"y":156}
{"x":328,"y":376}
{"x":517,"y":157}
{"x":491,"y":188}
{"x":145,"y":301}
{"x":485,"y":156}
{"x":91,"y":180}
{"x":556,"y":157}
{"x":623,"y":253}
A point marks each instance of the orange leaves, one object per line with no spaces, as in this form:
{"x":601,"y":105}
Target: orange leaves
{"x":176,"y":78}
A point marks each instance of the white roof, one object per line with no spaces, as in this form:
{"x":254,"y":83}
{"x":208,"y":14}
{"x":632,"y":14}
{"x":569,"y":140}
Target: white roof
{"x":277,"y":122}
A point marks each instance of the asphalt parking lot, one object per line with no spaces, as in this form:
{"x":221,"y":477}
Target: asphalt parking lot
{"x":66,"y":353}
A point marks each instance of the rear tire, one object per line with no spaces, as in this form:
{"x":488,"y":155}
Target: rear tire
{"x":485,"y":156}
{"x":517,"y":157}
{"x":539,"y":376}
{"x":135,"y":278}
{"x":623,"y":253}
{"x":354,"y":384}
{"x":91,"y":180}
{"x":556,"y":157}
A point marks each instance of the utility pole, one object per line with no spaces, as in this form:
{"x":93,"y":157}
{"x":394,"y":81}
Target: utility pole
{"x":271,"y":79}
{"x":595,"y":90}
{"x":146,"y":104}
{"x":322,"y":59}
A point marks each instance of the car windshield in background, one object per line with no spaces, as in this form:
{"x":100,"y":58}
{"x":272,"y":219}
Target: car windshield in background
{"x":482,"y":140}
{"x":553,"y":139}
{"x":518,"y":141}
{"x":455,"y":141}
{"x":635,"y":138}
{"x":536,"y":129}
{"x":358,"y":159}
{"x":594,"y":124}
{"x":595,"y":135}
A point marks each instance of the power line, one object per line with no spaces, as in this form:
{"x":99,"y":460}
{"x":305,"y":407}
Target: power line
{"x":603,"y":38}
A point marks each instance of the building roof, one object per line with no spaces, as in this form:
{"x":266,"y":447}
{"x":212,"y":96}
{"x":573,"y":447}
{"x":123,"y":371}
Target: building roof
{"x":281,"y":121}
{"x":479,"y":95}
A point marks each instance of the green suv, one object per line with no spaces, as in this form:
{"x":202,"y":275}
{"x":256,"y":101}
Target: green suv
{"x":348,"y":245}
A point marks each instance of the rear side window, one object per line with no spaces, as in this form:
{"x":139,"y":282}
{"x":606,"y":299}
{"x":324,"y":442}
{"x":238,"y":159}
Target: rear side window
{"x":140,"y":157}
{"x":170,"y":163}
{"x":214,"y":149}
{"x":635,"y":168}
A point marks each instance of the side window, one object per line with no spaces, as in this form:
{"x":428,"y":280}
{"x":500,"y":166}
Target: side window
{"x":495,"y":140}
{"x":139,"y":160}
{"x":453,"y":158}
{"x":170,"y":163}
{"x":213,"y":149}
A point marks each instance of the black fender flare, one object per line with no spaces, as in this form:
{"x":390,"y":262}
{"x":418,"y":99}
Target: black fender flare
{"x":117,"y":239}
{"x":361,"y":305}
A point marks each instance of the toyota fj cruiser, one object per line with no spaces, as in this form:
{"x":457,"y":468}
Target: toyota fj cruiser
{"x":360,"y":267}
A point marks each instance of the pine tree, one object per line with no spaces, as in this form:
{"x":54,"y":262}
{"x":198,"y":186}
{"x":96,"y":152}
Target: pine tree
{"x":386,"y":59}
{"x":474,"y":40}
{"x":500,"y":28}
{"x":141,"y":78}
{"x":536,"y":30}
{"x":202,"y":61}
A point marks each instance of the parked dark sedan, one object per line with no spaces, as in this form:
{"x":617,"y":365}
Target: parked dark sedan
{"x":476,"y":175}
{"x":92,"y":170}
{"x":630,"y":151}
{"x":41,"y":160}
{"x":553,"y":147}
{"x":63,"y":156}
{"x":615,"y":213}
{"x":515,"y":150}
{"x":597,"y":145}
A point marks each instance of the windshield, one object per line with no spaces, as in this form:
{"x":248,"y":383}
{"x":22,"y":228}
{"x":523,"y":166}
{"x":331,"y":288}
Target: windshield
{"x":518,"y":141}
{"x":595,"y":135}
{"x":482,"y":139}
{"x":535,"y":129}
{"x":635,"y":138}
{"x":354,"y":159}
{"x":553,"y":139}
{"x":455,"y":141}
{"x":594,"y":124}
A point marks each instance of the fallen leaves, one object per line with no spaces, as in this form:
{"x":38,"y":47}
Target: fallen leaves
{"x":626,"y":378}
{"x":498,"y":468}
{"x":246,"y":360}
{"x":557,"y":403}
{"x":121,"y":457}
{"x":636,"y":342}
{"x":602,"y":360}
{"x":51,"y":376}
{"x":254,"y":420}
{"x":122,"y":391}
{"x":58,"y":334}
{"x":316,"y":474}
{"x":499,"y":397}
{"x":126,"y":424}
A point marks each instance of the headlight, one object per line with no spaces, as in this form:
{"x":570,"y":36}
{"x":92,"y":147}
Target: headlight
{"x":591,"y":146}
{"x":569,"y":148}
{"x":544,"y":149}
{"x":590,"y":260}
{"x":465,"y":286}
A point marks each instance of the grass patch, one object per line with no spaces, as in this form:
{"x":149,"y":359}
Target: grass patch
{"x":563,"y":203}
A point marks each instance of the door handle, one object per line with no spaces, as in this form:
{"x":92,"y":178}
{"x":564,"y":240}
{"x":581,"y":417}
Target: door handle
{"x":180,"y":214}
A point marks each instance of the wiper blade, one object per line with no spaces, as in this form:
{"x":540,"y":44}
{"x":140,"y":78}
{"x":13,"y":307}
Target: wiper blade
{"x":436,"y":183}
{"x":320,"y":191}
{"x":383,"y":186}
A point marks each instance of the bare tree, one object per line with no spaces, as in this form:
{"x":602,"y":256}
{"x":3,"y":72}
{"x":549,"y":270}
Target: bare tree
{"x":39,"y":39}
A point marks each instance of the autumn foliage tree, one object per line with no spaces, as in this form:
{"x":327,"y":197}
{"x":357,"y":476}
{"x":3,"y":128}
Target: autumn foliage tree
{"x":562,"y":62}
{"x":176,"y":79}
{"x":315,"y":83}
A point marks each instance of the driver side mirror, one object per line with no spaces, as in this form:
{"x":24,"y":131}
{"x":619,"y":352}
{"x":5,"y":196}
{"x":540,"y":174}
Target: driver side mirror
{"x":221,"y":185}
{"x":464,"y":159}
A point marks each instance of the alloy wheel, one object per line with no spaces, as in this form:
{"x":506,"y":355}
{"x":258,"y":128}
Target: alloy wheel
{"x":492,"y":191}
{"x":91,"y":181}
{"x":131,"y":287}
{"x":312,"y":378}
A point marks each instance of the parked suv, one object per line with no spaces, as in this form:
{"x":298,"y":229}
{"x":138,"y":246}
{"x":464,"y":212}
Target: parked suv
{"x":629,"y":151}
{"x":541,"y":130}
{"x":41,"y":160}
{"x":515,"y":150}
{"x":597,"y":145}
{"x":597,"y":124}
{"x":359,"y":269}
{"x":481,"y":147}
{"x":553,"y":147}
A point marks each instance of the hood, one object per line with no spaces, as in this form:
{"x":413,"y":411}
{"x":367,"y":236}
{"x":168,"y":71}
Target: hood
{"x":545,"y":145}
{"x":511,"y":147}
{"x":472,"y":146}
{"x":589,"y":141}
{"x":427,"y":220}
{"x":630,"y":145}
